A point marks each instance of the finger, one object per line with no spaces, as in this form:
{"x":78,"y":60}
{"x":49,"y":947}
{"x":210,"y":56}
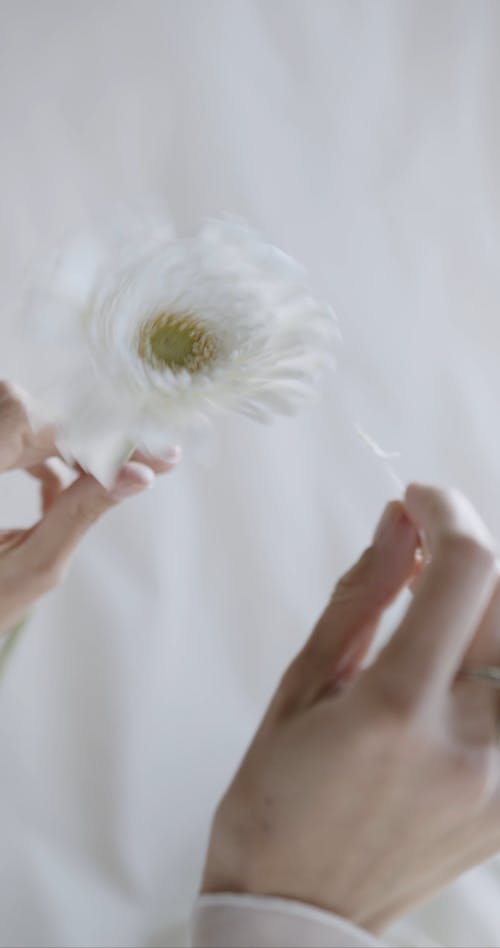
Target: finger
{"x":46,"y":550}
{"x":478,"y":705}
{"x":485,"y":646}
{"x":479,"y":702}
{"x":160,"y":465}
{"x":20,"y":445}
{"x":10,"y":538}
{"x":347,"y":627}
{"x":451,"y":598}
{"x":54,"y":476}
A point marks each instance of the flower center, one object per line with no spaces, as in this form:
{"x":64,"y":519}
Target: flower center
{"x":176,"y":341}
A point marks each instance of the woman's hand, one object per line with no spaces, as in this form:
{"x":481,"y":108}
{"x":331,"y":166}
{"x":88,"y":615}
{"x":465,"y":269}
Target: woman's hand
{"x":35,"y":560}
{"x":364,"y":792}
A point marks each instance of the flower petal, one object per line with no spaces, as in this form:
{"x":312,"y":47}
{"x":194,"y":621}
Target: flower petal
{"x":271,"y":336}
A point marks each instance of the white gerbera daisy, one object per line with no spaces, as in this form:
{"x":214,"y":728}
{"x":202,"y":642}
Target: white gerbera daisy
{"x":148,"y":335}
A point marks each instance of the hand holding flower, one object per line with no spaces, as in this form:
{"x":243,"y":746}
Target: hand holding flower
{"x":139,"y":341}
{"x":34,"y":560}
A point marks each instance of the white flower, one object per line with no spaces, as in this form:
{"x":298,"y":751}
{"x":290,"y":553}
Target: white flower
{"x":140,"y":338}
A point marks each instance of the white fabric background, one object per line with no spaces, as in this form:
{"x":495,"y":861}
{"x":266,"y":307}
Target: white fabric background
{"x":363,"y":137}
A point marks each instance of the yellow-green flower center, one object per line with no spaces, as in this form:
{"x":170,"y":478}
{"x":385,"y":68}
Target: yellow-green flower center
{"x":176,"y":341}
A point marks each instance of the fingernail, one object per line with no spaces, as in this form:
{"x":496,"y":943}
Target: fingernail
{"x":172,"y":455}
{"x":132,"y":479}
{"x":387,"y":527}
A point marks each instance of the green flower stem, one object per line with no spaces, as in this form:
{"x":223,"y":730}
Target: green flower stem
{"x":9,"y":642}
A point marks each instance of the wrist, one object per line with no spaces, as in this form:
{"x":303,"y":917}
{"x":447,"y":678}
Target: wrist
{"x":226,"y":920}
{"x":238,"y":865}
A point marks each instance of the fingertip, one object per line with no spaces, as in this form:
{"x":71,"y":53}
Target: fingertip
{"x":395,"y":519}
{"x":160,"y":463}
{"x":132,"y":478}
{"x":172,"y":455}
{"x":419,"y":501}
{"x":414,"y":491}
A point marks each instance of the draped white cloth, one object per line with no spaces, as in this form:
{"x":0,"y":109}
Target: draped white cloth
{"x":362,"y":137}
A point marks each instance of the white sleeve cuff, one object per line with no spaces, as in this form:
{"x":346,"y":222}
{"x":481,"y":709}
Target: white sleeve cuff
{"x":247,"y":921}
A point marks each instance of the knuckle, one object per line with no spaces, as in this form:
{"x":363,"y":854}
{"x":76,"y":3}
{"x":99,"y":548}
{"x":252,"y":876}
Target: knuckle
{"x":396,"y":709}
{"x":470,"y":771}
{"x":394,"y":704}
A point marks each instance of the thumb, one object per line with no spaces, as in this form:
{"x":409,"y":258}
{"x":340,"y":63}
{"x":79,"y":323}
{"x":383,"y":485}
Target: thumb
{"x":47,"y":548}
{"x":346,"y":629}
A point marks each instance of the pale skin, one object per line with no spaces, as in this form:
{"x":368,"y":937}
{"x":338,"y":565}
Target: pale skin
{"x":365,"y":790}
{"x":35,"y":560}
